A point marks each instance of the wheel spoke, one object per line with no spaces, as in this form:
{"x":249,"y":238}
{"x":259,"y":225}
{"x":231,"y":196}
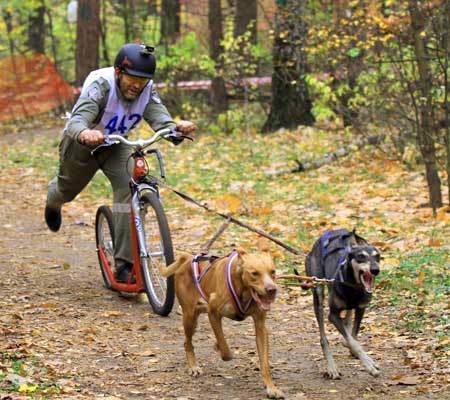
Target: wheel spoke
{"x":104,"y":233}
{"x":157,"y":238}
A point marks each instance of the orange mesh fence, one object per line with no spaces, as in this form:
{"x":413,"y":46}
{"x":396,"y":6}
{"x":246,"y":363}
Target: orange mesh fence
{"x":30,"y":85}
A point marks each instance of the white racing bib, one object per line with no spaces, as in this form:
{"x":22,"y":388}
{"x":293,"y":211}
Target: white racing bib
{"x":118,"y":118}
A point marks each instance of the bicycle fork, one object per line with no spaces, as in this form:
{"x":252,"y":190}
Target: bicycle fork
{"x":136,"y":206}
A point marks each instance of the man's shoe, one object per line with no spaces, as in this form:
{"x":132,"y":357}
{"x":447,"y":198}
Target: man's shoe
{"x":123,"y":271}
{"x":53,"y":218}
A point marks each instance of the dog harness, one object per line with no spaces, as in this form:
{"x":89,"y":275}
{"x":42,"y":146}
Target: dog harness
{"x":338,"y":240}
{"x":235,"y":298}
{"x":197,"y":275}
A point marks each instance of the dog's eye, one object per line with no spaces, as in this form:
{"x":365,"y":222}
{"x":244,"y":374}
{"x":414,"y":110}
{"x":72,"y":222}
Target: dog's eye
{"x":255,"y":274}
{"x":361,"y":258}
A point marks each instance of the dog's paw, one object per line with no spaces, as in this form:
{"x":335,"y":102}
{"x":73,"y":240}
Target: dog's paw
{"x":195,"y":371}
{"x":274,"y":393}
{"x":332,"y":373}
{"x":225,"y":354}
{"x":371,"y":367}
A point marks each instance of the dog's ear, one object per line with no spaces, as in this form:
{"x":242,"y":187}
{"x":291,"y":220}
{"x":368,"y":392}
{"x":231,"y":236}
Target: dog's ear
{"x":356,"y":240}
{"x":263,"y":245}
{"x":239,"y":262}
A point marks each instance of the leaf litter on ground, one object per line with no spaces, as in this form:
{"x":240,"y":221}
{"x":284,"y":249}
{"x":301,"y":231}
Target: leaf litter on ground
{"x":367,"y":191}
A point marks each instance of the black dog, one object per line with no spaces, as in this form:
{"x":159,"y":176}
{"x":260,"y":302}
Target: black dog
{"x":353,"y":264}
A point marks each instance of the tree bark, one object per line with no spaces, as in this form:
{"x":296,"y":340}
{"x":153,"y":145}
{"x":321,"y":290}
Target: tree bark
{"x":7,"y":17}
{"x":170,"y":21}
{"x":103,"y":33}
{"x":126,"y":21}
{"x":88,"y":33}
{"x":218,"y":91}
{"x":352,"y":65}
{"x":52,"y":37}
{"x":445,"y":62}
{"x":291,"y":104}
{"x":246,"y":13}
{"x":425,"y":123}
{"x":36,"y":29}
{"x":136,"y":33}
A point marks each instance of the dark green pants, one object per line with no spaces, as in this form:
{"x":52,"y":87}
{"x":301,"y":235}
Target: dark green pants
{"x":76,"y":169}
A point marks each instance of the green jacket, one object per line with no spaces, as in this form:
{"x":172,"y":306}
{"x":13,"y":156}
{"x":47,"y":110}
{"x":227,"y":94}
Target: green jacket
{"x":90,"y":106}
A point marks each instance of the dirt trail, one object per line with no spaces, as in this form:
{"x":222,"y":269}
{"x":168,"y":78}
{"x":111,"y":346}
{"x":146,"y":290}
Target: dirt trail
{"x":97,"y":345}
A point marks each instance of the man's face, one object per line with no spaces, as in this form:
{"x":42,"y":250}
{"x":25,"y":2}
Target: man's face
{"x":129,"y":85}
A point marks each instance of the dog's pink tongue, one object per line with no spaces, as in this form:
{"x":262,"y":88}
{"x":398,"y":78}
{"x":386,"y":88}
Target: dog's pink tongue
{"x":367,"y":280}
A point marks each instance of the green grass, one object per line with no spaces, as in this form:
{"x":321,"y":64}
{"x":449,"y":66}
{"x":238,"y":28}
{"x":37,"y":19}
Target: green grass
{"x":420,"y":286}
{"x":12,"y":363}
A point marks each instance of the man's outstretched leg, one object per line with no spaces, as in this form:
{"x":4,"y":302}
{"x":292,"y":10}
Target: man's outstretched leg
{"x":76,"y":169}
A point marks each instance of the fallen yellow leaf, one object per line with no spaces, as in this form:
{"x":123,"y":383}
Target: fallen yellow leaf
{"x":421,"y":278}
{"x":261,"y":210}
{"x":26,"y":388}
{"x":112,"y":313}
{"x":433,"y":242}
{"x":232,"y":202}
{"x":443,"y":214}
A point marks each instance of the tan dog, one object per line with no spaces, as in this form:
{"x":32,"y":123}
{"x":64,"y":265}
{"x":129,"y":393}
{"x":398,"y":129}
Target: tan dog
{"x":252,"y":278}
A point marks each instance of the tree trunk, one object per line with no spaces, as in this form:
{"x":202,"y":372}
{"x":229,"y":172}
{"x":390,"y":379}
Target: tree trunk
{"x":342,"y":17}
{"x":135,"y":22}
{"x":291,"y":105}
{"x":103,"y":34}
{"x":7,"y":17}
{"x":170,"y":21}
{"x":246,"y":13}
{"x":218,"y":90}
{"x":36,"y":29}
{"x":246,"y":21}
{"x":445,"y":63}
{"x":425,"y":124}
{"x":126,"y":20}
{"x":52,"y":37}
{"x":88,"y":32}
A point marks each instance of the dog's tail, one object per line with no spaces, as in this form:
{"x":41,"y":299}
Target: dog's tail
{"x":172,"y":268}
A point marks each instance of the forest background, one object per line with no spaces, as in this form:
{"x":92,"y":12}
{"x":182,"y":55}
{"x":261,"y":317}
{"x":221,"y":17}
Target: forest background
{"x":369,"y":65}
{"x":297,"y":86}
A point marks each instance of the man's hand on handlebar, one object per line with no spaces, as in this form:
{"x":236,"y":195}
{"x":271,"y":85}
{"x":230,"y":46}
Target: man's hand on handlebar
{"x":96,"y":137}
{"x":185,"y":127}
{"x":91,"y":137}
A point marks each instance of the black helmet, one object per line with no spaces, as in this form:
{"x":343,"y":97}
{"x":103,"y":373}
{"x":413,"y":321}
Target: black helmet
{"x":136,"y":59}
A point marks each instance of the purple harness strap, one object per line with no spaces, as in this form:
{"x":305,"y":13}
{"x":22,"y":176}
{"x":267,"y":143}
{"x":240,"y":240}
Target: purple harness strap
{"x":198,"y":276}
{"x":240,"y":310}
{"x":234,"y":297}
